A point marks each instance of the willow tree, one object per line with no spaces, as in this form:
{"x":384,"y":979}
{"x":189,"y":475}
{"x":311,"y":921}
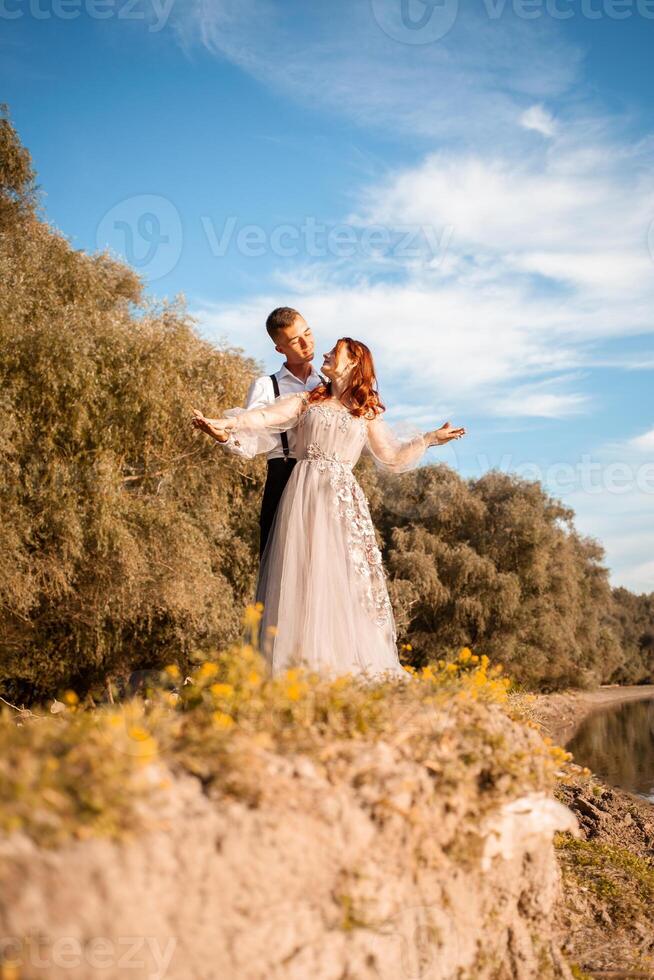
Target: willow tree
{"x":496,"y":564}
{"x":126,"y":538}
{"x":633,"y":621}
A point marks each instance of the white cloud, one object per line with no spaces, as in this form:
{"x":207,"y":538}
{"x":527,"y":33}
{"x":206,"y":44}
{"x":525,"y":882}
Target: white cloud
{"x":542,"y":404}
{"x":538,"y":118}
{"x":475,"y":81}
{"x":644,"y":442}
{"x":558,"y":214}
{"x":456,"y":342}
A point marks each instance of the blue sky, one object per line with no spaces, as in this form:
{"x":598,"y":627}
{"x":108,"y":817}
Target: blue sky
{"x":469,"y":188}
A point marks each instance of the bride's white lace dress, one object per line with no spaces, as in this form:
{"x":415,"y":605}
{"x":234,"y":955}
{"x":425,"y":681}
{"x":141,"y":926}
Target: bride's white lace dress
{"x":321,"y":580}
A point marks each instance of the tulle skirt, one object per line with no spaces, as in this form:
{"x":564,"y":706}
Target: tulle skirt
{"x":321,"y":580}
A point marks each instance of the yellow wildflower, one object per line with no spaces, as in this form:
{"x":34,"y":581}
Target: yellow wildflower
{"x":172,"y":670}
{"x":144,"y":745}
{"x":207,"y":670}
{"x":70,"y":698}
{"x":222,"y":690}
{"x":138,"y":733}
{"x":252,"y":615}
{"x":222,"y":720}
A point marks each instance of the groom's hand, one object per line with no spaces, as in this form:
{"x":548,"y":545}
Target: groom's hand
{"x":445,"y":434}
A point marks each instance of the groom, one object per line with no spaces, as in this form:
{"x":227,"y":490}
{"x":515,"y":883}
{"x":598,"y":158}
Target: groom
{"x":293,"y":338}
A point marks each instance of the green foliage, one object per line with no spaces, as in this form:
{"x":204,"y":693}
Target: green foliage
{"x":17,"y":191}
{"x":633,"y":623}
{"x":126,"y":538}
{"x":497,"y":564}
{"x":624,"y":880}
{"x":77,"y":774}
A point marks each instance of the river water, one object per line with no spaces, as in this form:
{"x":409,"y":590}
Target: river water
{"x":617,"y":744}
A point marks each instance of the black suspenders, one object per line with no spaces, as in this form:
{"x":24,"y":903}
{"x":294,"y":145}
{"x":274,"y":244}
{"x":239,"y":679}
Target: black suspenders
{"x":283,"y":436}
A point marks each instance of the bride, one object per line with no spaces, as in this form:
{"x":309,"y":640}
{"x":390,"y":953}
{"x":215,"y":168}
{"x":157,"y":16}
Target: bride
{"x":321,"y":580}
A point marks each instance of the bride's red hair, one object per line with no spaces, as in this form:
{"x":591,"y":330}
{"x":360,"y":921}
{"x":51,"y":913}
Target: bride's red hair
{"x":361,"y":393}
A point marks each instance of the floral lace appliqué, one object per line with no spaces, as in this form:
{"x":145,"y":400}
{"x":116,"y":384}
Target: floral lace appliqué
{"x":352,"y":507}
{"x":327,"y":413}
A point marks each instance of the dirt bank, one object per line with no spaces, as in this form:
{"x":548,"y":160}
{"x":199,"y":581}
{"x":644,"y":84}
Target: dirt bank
{"x":561,"y":714}
{"x":425,"y":854}
{"x":603,"y":919}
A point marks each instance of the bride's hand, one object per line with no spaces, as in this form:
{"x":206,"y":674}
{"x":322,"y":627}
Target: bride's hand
{"x":446,"y":433}
{"x":212,"y":427}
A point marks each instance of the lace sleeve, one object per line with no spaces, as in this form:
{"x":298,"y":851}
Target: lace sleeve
{"x":394,"y":449}
{"x":255,"y":430}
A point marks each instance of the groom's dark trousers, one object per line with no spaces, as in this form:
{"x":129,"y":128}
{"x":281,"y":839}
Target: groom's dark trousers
{"x":279,"y":471}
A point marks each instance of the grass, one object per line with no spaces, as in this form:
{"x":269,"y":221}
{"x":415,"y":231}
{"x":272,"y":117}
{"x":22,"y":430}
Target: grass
{"x":623,"y":880}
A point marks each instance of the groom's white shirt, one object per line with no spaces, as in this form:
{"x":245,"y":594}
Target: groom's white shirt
{"x":261,"y":393}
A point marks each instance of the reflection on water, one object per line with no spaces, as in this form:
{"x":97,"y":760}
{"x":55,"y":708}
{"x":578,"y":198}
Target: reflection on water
{"x":617,"y":743}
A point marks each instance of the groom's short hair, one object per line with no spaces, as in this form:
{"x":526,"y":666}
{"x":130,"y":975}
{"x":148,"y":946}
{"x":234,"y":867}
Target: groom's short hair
{"x":283,"y":316}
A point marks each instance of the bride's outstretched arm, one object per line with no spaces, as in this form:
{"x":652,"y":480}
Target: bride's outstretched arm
{"x":255,"y":430}
{"x":399,"y":453}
